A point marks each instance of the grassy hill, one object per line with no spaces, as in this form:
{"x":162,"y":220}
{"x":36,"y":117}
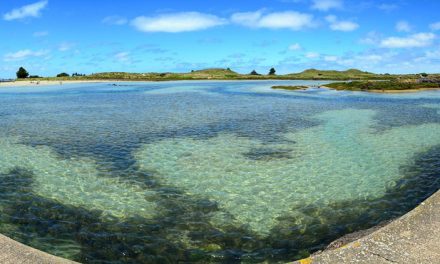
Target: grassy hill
{"x":228,"y":74}
{"x":391,"y":85}
{"x":351,"y":74}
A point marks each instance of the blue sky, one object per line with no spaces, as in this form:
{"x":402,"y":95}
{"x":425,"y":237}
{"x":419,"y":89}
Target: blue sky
{"x":52,"y":36}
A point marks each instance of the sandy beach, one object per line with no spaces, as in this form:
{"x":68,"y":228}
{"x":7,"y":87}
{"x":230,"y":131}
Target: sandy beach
{"x":40,"y":83}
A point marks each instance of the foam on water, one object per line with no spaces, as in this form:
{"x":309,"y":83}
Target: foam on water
{"x":342,"y":159}
{"x":75,"y":181}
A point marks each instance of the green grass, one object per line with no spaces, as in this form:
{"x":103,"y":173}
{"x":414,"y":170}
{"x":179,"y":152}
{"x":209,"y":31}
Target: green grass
{"x":227,"y":74}
{"x":381,"y":85}
{"x":352,"y":74}
{"x":291,"y":88}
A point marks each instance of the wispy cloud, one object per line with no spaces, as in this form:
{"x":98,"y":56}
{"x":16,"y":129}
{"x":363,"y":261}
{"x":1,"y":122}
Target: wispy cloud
{"x":24,"y":54}
{"x":341,"y":25}
{"x":122,"y":57}
{"x":295,"y":47}
{"x":32,"y":10}
{"x":330,"y":58}
{"x":372,"y":38}
{"x":279,"y":20}
{"x":435,"y":26}
{"x":403,"y":26}
{"x":413,"y":41}
{"x":40,"y":33}
{"x":177,"y":22}
{"x":388,"y":7}
{"x":150,"y":48}
{"x":115,"y":20}
{"x":210,"y":40}
{"x":65,"y":46}
{"x":325,"y":5}
{"x":312,"y":55}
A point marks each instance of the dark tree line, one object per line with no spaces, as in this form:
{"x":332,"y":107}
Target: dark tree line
{"x":22,"y":73}
{"x":272,"y":71}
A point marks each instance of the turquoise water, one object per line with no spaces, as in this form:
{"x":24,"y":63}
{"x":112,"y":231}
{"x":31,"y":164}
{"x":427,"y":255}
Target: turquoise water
{"x":208,"y":171}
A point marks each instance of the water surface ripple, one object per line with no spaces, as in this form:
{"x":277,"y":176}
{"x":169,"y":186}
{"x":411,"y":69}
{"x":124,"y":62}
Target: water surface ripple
{"x":208,"y":171}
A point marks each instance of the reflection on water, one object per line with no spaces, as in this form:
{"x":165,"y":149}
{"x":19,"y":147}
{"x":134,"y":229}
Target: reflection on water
{"x":208,"y":171}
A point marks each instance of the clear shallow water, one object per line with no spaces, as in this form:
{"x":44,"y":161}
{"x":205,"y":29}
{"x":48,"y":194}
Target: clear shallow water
{"x":208,"y":171}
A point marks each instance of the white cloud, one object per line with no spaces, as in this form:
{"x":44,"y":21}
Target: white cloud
{"x":339,"y":25}
{"x":312,"y":55}
{"x":295,"y":47}
{"x":65,"y":46}
{"x":24,"y":54}
{"x":325,"y":5}
{"x":403,"y":26}
{"x":372,"y":57}
{"x":331,"y":58}
{"x":372,"y":38}
{"x":432,"y":54}
{"x":177,"y":22}
{"x":435,"y":26}
{"x":249,"y":19}
{"x":412,"y":41}
{"x":32,"y":10}
{"x":115,"y":20}
{"x":122,"y":57}
{"x":40,"y":34}
{"x":288,"y":20}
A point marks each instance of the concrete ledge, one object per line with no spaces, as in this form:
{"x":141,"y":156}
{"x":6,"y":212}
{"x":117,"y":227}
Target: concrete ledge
{"x":412,"y":238}
{"x":13,"y":252}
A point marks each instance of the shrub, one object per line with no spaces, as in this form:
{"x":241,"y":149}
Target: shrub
{"x":63,"y":74}
{"x":254,"y":73}
{"x":272,"y":71}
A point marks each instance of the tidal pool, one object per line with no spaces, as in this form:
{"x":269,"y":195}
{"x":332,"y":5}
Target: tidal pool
{"x":208,"y":171}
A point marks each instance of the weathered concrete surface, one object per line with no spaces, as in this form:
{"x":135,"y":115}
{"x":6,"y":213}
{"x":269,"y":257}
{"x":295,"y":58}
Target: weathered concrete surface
{"x":412,"y":238}
{"x":12,"y":252}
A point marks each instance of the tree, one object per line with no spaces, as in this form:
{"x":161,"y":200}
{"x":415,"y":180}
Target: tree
{"x":272,"y":71}
{"x":254,"y":73}
{"x":63,"y":74}
{"x":22,"y":73}
{"x":424,"y":74}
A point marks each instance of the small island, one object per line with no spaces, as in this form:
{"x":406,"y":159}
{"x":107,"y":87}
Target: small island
{"x":290,"y":87}
{"x":389,"y":86}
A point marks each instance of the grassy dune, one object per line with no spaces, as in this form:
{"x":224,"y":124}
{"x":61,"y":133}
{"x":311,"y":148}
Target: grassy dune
{"x":291,"y":88}
{"x":382,"y":85}
{"x":225,"y":74}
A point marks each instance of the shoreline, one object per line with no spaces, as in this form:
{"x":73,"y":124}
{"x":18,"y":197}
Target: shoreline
{"x":53,"y":82}
{"x":47,"y":83}
{"x":403,"y":91}
{"x":385,"y":91}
